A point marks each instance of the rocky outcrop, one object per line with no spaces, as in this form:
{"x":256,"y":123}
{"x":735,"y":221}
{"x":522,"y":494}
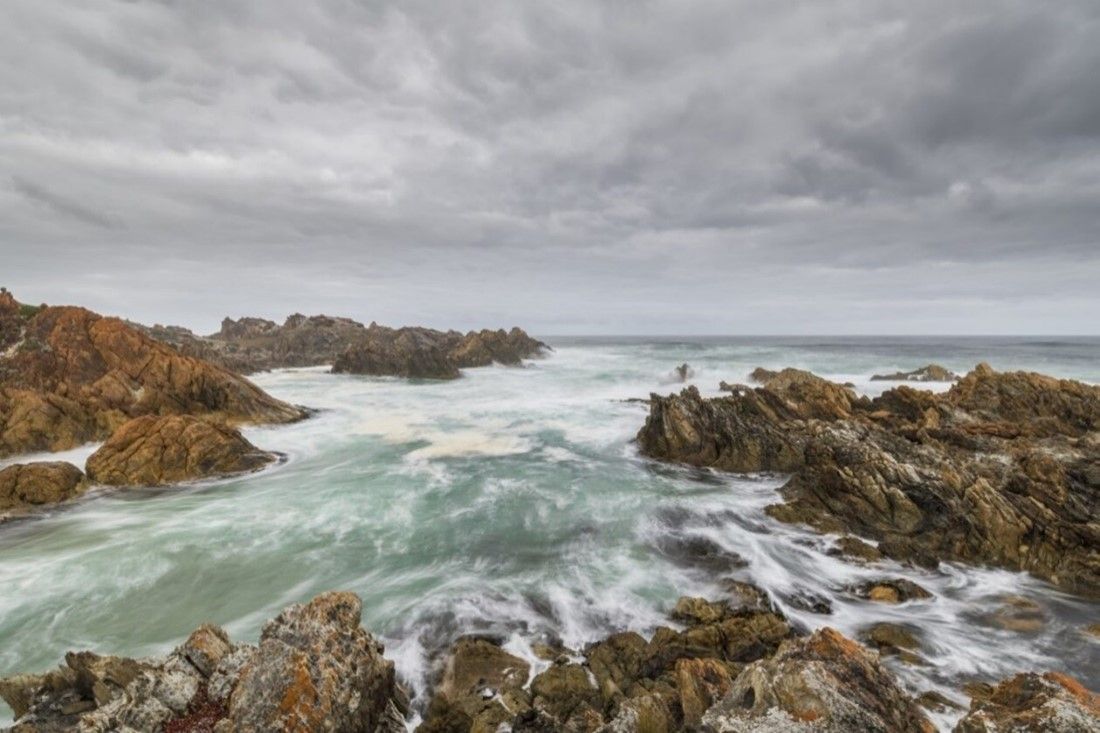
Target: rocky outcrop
{"x":403,"y":352}
{"x":424,"y":353}
{"x":248,"y":345}
{"x":624,"y":682}
{"x":75,"y":376}
{"x":152,"y":451}
{"x":27,"y":485}
{"x":314,"y":669}
{"x":1002,"y":469}
{"x":926,"y":373}
{"x":825,"y":683}
{"x":485,"y":347}
{"x":1032,"y":703}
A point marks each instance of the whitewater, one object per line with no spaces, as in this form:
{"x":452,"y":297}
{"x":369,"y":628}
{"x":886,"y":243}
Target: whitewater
{"x":511,"y":502}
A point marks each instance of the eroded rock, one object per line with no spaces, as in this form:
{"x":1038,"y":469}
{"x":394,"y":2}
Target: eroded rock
{"x":998,"y":470}
{"x":824,"y":683}
{"x":152,"y":451}
{"x":1032,"y":703}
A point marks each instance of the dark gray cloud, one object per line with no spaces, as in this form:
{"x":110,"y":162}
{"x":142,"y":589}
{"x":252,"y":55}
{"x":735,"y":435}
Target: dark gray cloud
{"x":688,"y":166}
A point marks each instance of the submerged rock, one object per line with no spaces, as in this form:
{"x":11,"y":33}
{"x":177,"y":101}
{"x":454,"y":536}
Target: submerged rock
{"x":927,"y":373}
{"x":315,"y":669}
{"x":152,"y":451}
{"x":825,"y":683}
{"x":74,"y":376}
{"x":27,"y":485}
{"x":1032,"y":703}
{"x":1002,"y":469}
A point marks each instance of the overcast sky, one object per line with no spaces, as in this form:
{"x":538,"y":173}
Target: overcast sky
{"x":573,"y":167}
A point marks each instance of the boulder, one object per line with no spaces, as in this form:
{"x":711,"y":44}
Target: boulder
{"x":26,"y":485}
{"x":823,"y":683}
{"x":1032,"y":703}
{"x":482,"y":686}
{"x":927,"y":373}
{"x":152,"y":451}
{"x":485,"y":347}
{"x":760,"y":375}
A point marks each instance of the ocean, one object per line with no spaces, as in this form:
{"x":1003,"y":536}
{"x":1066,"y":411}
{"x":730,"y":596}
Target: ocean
{"x":511,"y":502}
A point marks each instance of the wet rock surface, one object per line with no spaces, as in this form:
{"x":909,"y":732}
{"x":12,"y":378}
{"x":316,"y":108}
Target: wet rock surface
{"x":153,"y":451}
{"x":1033,"y":703}
{"x":315,"y":669}
{"x":1002,"y":469}
{"x":823,"y":683}
{"x":27,"y":485}
{"x":73,"y":376}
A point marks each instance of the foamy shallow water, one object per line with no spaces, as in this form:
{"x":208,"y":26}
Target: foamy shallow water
{"x":512,"y":502}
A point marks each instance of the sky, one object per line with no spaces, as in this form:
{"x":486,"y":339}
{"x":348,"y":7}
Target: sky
{"x":681,"y":167}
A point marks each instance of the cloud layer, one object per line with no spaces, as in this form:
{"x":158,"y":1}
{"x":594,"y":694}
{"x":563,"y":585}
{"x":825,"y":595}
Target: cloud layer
{"x":614,"y":167}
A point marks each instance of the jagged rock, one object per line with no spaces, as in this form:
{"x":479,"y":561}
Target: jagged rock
{"x":482,"y":687}
{"x":855,"y":548}
{"x":927,"y":373}
{"x":316,"y":669}
{"x":482,"y":348}
{"x":152,"y":451}
{"x":25,"y":485}
{"x":1032,"y":703}
{"x":824,"y":683}
{"x":684,"y":372}
{"x":998,"y":470}
{"x":75,"y":376}
{"x":701,"y":683}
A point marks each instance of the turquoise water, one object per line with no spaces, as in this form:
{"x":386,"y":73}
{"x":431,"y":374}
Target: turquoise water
{"x":512,"y":502}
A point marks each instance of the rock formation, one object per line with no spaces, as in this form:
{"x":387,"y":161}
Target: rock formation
{"x":424,"y":353}
{"x":401,"y":352}
{"x":249,"y":345}
{"x":1032,"y":703}
{"x":27,"y":485}
{"x":927,"y":373}
{"x":314,"y":669}
{"x":824,"y":683}
{"x":74,"y":376}
{"x":1002,"y":469}
{"x":152,"y":451}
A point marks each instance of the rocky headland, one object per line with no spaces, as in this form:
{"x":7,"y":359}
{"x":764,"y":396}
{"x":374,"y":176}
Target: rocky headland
{"x":1003,"y":469}
{"x":728,"y":667}
{"x":70,"y":376}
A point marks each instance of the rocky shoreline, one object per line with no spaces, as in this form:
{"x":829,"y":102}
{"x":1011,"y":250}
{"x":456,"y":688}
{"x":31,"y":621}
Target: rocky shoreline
{"x":729,"y":666}
{"x":1003,"y":469}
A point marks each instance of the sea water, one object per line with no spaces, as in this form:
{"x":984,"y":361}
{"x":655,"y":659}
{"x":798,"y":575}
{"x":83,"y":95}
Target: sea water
{"x":510,"y":502}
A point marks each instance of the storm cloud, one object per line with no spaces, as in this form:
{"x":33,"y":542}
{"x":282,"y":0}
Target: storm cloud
{"x":574,"y":167}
